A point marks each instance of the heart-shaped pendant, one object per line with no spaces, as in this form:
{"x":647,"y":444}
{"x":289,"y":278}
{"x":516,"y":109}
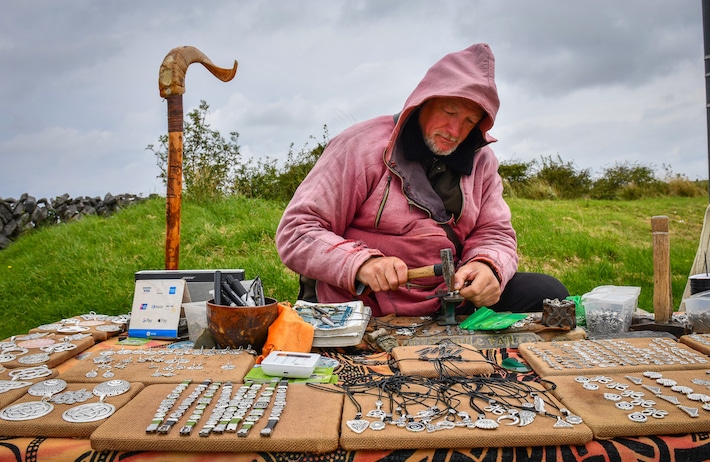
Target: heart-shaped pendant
{"x":358,"y":425}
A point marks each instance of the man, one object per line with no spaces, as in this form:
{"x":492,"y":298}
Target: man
{"x":389,"y":193}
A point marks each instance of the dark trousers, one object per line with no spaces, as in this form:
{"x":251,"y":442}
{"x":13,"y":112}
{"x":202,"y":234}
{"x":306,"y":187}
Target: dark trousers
{"x":524,"y":293}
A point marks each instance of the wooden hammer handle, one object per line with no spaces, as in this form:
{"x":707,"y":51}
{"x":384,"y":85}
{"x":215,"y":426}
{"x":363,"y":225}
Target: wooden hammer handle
{"x":425,"y":271}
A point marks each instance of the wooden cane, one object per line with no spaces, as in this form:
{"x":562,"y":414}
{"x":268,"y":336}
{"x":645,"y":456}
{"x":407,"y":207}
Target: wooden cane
{"x":171,"y":82}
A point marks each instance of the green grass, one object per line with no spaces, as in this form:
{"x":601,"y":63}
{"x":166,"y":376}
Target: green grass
{"x":61,"y":271}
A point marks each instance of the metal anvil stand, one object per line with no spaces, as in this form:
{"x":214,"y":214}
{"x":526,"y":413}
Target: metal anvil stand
{"x":448,"y":309}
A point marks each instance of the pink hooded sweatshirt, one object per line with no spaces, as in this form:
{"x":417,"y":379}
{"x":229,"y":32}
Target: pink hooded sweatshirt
{"x":364,"y":199}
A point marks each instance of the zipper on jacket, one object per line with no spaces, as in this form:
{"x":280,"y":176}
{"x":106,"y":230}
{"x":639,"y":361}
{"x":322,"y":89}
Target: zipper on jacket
{"x":383,"y":201}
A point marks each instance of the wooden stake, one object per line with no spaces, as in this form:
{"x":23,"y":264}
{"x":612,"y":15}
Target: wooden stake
{"x":662,"y":296}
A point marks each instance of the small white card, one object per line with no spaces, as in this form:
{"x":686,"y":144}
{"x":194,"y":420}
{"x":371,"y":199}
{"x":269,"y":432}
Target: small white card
{"x":156,"y":308}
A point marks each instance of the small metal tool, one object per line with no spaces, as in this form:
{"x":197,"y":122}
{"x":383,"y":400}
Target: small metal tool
{"x":451,"y":299}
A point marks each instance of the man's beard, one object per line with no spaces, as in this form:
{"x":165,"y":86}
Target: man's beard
{"x":431,"y":144}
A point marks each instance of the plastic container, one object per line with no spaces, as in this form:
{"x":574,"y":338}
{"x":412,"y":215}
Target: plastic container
{"x":610,"y":309}
{"x":196,"y":316}
{"x":697,"y":307}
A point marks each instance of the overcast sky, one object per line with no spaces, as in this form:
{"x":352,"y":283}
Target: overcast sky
{"x":596,"y":82}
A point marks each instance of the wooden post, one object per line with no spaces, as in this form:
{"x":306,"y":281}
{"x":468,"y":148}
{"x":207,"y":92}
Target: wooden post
{"x":662,"y":296}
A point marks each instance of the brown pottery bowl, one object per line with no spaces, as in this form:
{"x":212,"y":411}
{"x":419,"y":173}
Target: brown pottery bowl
{"x":241,"y":326}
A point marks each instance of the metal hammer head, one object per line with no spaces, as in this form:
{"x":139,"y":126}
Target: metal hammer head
{"x":447,"y":265}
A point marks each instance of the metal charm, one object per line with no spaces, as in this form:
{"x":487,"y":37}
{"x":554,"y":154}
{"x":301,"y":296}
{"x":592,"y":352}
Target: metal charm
{"x":7,"y":385}
{"x":89,"y":412}
{"x":111,"y":388}
{"x":36,"y":358}
{"x":637,"y":417}
{"x":691,"y":411}
{"x":562,"y":424}
{"x":26,"y":411}
{"x":358,"y":425}
{"x":486,"y":424}
{"x":47,"y":388}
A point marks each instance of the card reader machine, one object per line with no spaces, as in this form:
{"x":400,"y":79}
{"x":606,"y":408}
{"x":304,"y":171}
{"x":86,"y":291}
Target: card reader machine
{"x":289,"y":364}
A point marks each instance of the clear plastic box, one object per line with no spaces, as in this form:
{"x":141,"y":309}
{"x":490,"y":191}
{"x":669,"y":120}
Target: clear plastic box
{"x":697,"y":307}
{"x":610,"y":309}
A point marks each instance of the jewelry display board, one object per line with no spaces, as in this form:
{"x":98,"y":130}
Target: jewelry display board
{"x":493,"y":426}
{"x":610,"y":356}
{"x":699,"y":342}
{"x":15,"y":382}
{"x":71,"y":411}
{"x":309,"y":421}
{"x":161,"y":365}
{"x":422,"y":361}
{"x":99,"y":326}
{"x":639,"y":403}
{"x":37,"y":349}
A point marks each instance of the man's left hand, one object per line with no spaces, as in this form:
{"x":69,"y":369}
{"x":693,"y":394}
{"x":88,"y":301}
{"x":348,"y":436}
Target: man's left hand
{"x":476,"y":282}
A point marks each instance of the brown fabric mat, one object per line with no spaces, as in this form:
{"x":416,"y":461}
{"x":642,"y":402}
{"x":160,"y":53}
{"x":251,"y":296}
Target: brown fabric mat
{"x":538,"y":433}
{"x":56,"y":358}
{"x":471,"y":362}
{"x":561,"y":356}
{"x":216,"y":365}
{"x":310,"y":422}
{"x":699,"y":342}
{"x":606,"y":420}
{"x":12,"y":395}
{"x":53,"y":425}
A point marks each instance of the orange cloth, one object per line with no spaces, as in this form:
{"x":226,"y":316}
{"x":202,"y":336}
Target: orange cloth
{"x":289,"y":332}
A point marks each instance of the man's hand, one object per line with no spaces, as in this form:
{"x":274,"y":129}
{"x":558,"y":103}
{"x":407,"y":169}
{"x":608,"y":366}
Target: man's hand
{"x":383,"y":273}
{"x":476,"y":283}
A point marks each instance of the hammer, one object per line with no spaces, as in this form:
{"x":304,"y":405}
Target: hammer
{"x":445,"y":268}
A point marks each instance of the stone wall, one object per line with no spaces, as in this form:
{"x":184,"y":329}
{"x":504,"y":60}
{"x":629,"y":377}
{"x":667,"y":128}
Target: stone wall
{"x":18,"y":216}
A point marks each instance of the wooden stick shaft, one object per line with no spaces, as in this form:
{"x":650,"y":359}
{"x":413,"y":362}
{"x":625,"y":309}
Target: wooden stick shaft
{"x":174,"y":191}
{"x":662,"y":296}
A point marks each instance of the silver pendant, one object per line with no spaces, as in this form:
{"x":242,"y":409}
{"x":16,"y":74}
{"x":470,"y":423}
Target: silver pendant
{"x":47,"y":388}
{"x":358,"y":425}
{"x":30,"y":373}
{"x":7,"y":385}
{"x":89,"y":412}
{"x":638,"y":417}
{"x":111,"y":388}
{"x":26,"y":411}
{"x":526,"y":417}
{"x":670,"y":399}
{"x":71,"y":397}
{"x":634,"y":380}
{"x":108,"y":328}
{"x":36,"y":358}
{"x":691,"y":411}
{"x":486,"y":424}
{"x":377,"y":425}
{"x":562,"y":424}
{"x":415,"y":426}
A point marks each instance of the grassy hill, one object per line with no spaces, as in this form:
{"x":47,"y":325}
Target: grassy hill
{"x":66,"y":270}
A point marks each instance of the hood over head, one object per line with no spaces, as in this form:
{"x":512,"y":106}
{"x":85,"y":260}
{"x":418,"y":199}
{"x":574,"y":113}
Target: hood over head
{"x":470,"y":74}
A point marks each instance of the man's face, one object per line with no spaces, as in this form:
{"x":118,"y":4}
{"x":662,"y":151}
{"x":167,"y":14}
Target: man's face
{"x":446,"y":122}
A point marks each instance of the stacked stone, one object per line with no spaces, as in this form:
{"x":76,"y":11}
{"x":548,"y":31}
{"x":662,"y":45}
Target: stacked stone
{"x":18,"y":216}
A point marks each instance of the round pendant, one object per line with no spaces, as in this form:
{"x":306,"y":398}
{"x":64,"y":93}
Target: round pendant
{"x":415,"y":426}
{"x":111,"y":388}
{"x":72,"y":329}
{"x":377,"y":425}
{"x":109,"y":328}
{"x":36,"y":358}
{"x":47,"y":387}
{"x":49,"y":327}
{"x":26,"y":411}
{"x":90,"y":412}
